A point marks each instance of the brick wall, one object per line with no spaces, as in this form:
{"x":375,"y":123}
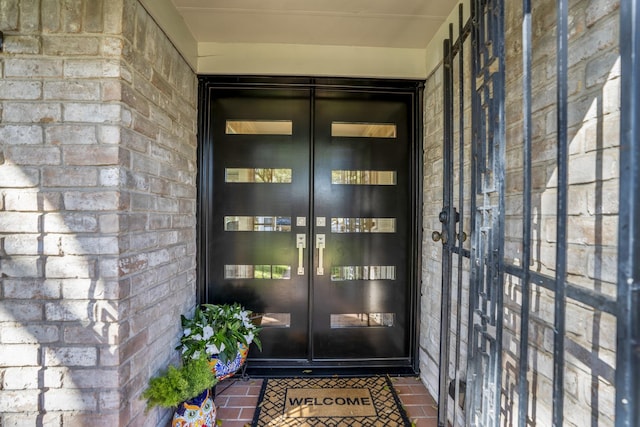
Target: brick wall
{"x":592,"y":217}
{"x":158,"y":182}
{"x":97,"y":199}
{"x":593,"y":124}
{"x":431,"y":251}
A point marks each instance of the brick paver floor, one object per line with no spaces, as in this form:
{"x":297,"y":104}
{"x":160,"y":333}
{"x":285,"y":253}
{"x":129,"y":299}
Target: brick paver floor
{"x":236,"y":401}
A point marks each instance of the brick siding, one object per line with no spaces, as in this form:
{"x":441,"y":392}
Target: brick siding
{"x":97,"y":199}
{"x":592,"y":217}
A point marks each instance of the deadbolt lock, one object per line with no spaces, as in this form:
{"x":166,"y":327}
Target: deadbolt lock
{"x":443,"y":216}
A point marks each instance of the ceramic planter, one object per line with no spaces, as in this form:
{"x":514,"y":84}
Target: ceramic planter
{"x":197,"y":412}
{"x":226,"y":370}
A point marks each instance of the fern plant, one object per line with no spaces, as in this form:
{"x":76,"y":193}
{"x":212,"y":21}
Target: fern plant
{"x":177,"y":385}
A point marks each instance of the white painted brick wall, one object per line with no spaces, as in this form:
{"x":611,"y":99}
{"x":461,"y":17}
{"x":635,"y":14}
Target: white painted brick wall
{"x":20,"y":355}
{"x":18,"y":400}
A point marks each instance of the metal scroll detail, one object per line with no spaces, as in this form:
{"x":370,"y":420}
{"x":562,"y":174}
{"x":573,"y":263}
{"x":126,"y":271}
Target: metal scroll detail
{"x":484,"y":371}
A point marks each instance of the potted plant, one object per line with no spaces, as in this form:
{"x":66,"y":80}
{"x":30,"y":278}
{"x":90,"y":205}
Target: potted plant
{"x":221,"y":332}
{"x":186,"y":388}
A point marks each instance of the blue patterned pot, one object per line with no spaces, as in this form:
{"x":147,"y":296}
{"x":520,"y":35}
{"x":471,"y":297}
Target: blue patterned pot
{"x":226,"y":370}
{"x":197,"y":412}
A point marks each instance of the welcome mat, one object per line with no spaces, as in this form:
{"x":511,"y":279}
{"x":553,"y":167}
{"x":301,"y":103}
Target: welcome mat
{"x":353,"y":402}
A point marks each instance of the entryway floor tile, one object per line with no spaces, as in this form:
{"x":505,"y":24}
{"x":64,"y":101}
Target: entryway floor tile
{"x":236,"y":401}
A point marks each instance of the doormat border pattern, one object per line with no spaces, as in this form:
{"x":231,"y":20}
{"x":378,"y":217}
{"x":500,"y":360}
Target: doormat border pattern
{"x":381,"y":388}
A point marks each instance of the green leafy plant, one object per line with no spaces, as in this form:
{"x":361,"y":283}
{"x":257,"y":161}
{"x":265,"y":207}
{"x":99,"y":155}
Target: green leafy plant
{"x":177,"y":385}
{"x":217,"y":330}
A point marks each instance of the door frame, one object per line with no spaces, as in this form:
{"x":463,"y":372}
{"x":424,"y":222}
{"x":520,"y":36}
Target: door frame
{"x":208,"y":84}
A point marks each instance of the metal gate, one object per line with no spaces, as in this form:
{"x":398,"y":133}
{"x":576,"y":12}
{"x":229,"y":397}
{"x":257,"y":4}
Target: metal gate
{"x":473,"y":181}
{"x":472,"y":370}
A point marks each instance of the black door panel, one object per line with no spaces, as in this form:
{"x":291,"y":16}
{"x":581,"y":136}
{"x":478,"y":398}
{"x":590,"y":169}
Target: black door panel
{"x":261,"y":254}
{"x":347,"y":323}
{"x":353,"y":193}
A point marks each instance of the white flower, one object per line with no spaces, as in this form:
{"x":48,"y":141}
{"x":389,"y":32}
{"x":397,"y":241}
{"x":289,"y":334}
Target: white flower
{"x":207,"y":332}
{"x":196,"y":355}
{"x":197,"y":337}
{"x":248,"y":324}
{"x":246,"y":321}
{"x":213,"y":349}
{"x":184,"y":349}
{"x":249,"y":337}
{"x":187,"y":332}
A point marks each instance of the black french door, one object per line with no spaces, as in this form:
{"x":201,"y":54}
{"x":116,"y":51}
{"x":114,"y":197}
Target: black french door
{"x":307,"y":201}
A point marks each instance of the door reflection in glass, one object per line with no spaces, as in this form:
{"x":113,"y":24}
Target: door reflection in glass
{"x":257,"y":223}
{"x":261,"y":271}
{"x":363,"y":225}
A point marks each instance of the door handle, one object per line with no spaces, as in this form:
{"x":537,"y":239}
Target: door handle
{"x":320,"y":244}
{"x":301,"y":243}
{"x":436,"y":235}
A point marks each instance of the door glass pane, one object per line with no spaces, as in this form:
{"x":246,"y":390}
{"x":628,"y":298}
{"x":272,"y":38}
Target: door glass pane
{"x":274,"y":320}
{"x":363,"y":177}
{"x":257,"y":223}
{"x":363,"y":130}
{"x":363,"y":225}
{"x":363,"y":272}
{"x":263,"y":271}
{"x":362,"y":320}
{"x":259,"y":127}
{"x":257,"y":175}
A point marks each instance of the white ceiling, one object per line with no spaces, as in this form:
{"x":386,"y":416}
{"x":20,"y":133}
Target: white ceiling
{"x":355,"y":38}
{"x":364,"y":23}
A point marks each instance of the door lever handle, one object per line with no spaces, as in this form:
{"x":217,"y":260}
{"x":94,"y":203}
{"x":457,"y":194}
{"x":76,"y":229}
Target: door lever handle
{"x":320,"y":244}
{"x":301,"y":243}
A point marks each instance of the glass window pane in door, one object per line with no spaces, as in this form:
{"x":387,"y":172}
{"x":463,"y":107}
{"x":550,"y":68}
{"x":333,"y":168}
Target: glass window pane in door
{"x":259,"y":127}
{"x":362,"y":320}
{"x":363,"y":130}
{"x":363,"y":225}
{"x":363,"y":177}
{"x":257,"y":175}
{"x":261,"y":271}
{"x":363,"y":272}
{"x":257,"y":223}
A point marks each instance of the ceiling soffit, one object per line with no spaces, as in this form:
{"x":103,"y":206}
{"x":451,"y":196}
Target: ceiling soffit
{"x":310,"y":37}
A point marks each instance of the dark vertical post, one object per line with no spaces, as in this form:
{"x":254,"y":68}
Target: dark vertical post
{"x":460,"y":223}
{"x":498,"y":140}
{"x":417,"y":220}
{"x":561,"y":219}
{"x":523,"y":385}
{"x":445,"y":312}
{"x":205,"y":181}
{"x":312,"y":214}
{"x":474,"y":274}
{"x":628,"y":335}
